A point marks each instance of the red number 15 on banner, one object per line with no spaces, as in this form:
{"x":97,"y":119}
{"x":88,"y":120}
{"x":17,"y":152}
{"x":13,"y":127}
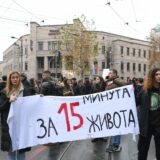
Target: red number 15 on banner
{"x":72,"y":105}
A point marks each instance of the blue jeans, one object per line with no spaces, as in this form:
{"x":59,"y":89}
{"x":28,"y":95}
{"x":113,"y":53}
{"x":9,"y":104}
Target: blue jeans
{"x":16,"y":156}
{"x":116,"y":140}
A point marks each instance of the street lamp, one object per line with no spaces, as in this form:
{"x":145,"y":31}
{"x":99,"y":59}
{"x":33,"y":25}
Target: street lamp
{"x":21,"y":52}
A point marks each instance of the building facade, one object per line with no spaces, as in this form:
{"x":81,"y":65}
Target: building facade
{"x":1,"y":68}
{"x":38,"y":51}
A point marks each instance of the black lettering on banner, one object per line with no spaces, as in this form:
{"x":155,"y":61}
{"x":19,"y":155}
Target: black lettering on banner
{"x":88,"y":98}
{"x":111,"y":93}
{"x":117,"y":92}
{"x":104,"y":95}
{"x":102,"y":121}
{"x":124,"y":117}
{"x":94,"y":97}
{"x":93,"y":124}
{"x":131,"y":118}
{"x":125,"y":91}
{"x":51,"y":125}
{"x":110,"y":123}
{"x":44,"y":128}
{"x":116,"y":114}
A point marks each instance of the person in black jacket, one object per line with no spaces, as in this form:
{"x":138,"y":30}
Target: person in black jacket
{"x":149,"y":118}
{"x":3,"y":83}
{"x":14,"y":89}
{"x":49,"y":87}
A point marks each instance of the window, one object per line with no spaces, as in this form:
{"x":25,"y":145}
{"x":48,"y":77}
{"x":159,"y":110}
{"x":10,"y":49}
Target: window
{"x":122,"y":50}
{"x":103,"y":49}
{"x":139,"y":53}
{"x":103,"y":65}
{"x":144,"y":67}
{"x":40,"y":61}
{"x":53,"y":45}
{"x":128,"y":66}
{"x":134,"y":67}
{"x":40,"y":46}
{"x":122,"y":66}
{"x":26,"y":66}
{"x":144,"y":53}
{"x":51,"y":62}
{"x":127,"y":51}
{"x":26,"y":51}
{"x":139,"y":67}
{"x":134,"y":52}
{"x":31,"y":45}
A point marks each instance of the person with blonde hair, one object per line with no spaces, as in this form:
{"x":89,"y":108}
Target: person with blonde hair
{"x":149,"y":114}
{"x":14,"y":89}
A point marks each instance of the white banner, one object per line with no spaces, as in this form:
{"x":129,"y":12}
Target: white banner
{"x":35,"y":120}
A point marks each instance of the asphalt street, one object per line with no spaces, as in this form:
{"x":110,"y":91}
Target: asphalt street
{"x":86,"y":150}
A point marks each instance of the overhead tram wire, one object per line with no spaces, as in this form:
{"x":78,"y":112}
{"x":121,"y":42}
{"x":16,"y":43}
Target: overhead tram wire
{"x":109,"y":4}
{"x":26,"y":10}
{"x":15,"y":20}
{"x":6,"y":9}
{"x":39,"y":15}
{"x":134,"y":11}
{"x":124,"y":22}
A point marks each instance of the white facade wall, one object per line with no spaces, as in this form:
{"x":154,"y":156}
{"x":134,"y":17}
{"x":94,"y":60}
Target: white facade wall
{"x":31,"y":52}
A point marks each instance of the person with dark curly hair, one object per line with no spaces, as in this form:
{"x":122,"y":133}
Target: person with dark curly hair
{"x":149,"y":118}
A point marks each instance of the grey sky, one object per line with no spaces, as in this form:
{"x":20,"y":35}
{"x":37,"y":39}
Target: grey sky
{"x":140,"y":15}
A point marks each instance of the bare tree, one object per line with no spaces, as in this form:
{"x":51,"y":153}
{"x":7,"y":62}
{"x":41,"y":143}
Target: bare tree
{"x":79,"y":45}
{"x":154,"y":48}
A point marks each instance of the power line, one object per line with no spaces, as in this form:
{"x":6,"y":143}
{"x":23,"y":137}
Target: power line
{"x":134,"y":11}
{"x":126,"y":23}
{"x":15,"y":20}
{"x":44,"y":16}
{"x":109,"y":4}
{"x":6,"y":9}
{"x":26,"y":10}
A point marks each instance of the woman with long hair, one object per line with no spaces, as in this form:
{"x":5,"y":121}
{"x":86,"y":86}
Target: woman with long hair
{"x":67,"y":89}
{"x":99,"y":85}
{"x":149,"y":118}
{"x":14,"y":89}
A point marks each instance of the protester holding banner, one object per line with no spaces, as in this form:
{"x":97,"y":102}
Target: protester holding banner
{"x":113,"y":81}
{"x":149,"y":122}
{"x":13,"y":90}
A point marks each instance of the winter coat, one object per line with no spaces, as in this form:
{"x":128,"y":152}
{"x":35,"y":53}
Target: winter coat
{"x":117,"y":82}
{"x":6,"y":144}
{"x":144,"y":101}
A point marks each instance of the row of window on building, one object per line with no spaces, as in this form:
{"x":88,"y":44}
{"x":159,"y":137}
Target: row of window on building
{"x":140,"y":67}
{"x":129,"y":51}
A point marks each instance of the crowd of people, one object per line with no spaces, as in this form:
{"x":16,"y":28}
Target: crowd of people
{"x":147,"y":95}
